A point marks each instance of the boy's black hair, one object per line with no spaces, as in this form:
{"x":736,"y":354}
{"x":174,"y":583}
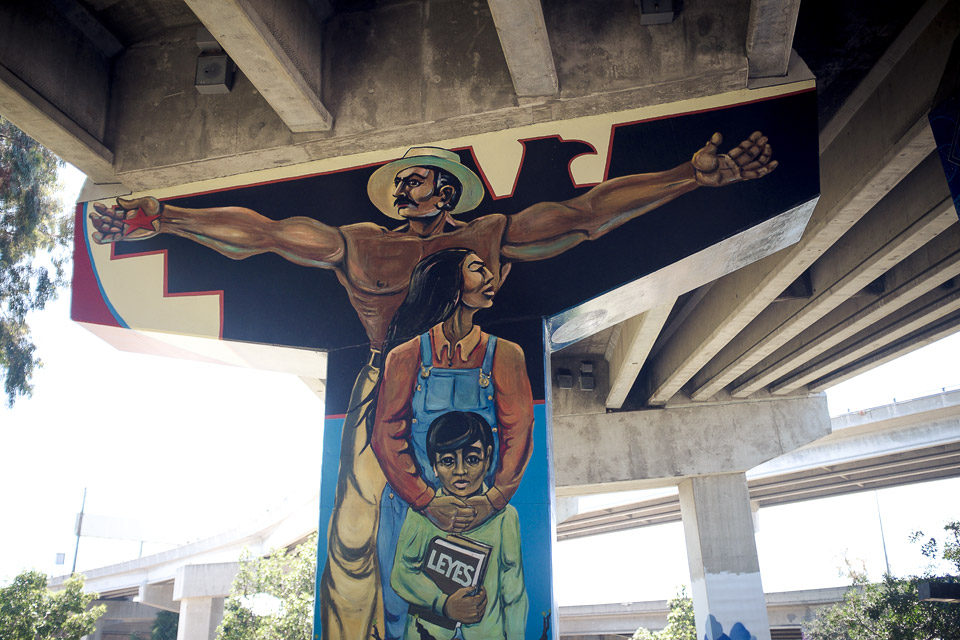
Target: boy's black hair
{"x":455,"y":430}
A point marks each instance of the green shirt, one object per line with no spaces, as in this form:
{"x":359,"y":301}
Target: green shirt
{"x":506,"y":613}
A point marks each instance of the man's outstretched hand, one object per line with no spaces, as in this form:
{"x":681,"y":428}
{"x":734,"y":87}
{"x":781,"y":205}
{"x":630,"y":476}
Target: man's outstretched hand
{"x":747,"y":161}
{"x":133,"y":219}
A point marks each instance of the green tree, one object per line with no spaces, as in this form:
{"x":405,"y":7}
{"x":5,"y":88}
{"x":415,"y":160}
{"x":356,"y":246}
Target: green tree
{"x":30,"y":223}
{"x":891,"y":609}
{"x":680,"y":621}
{"x":30,"y":611}
{"x":272,"y":597}
{"x":165,"y":626}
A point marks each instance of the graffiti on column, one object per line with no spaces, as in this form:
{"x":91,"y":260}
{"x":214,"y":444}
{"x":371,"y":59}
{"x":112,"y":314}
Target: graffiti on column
{"x":714,"y":631}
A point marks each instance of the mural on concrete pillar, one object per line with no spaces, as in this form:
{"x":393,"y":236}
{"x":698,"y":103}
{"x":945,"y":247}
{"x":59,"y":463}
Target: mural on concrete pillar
{"x":436,"y":499}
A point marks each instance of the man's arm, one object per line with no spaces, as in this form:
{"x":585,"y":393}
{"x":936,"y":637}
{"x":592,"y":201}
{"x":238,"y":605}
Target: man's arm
{"x":233,"y":231}
{"x":514,"y":399}
{"x":548,"y":229}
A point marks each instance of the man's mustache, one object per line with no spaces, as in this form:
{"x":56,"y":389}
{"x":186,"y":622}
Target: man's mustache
{"x":403,"y":200}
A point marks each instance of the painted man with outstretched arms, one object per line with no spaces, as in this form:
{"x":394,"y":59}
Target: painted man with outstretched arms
{"x":425,"y":189}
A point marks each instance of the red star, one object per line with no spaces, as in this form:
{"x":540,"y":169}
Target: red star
{"x":139,"y":221}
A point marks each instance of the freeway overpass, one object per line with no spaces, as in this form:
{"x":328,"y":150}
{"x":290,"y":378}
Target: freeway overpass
{"x":727,"y":367}
{"x":902,"y":443}
{"x":906,"y":442}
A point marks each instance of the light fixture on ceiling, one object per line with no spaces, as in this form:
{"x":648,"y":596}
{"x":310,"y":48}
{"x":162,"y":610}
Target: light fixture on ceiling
{"x":215,"y":69}
{"x":657,"y":11}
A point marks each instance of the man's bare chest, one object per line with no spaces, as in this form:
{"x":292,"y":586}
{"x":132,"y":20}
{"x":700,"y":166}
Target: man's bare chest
{"x":381,"y":262}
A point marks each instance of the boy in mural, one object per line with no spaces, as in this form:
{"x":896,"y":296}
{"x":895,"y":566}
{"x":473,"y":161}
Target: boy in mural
{"x":460,"y":444}
{"x":425,"y":189}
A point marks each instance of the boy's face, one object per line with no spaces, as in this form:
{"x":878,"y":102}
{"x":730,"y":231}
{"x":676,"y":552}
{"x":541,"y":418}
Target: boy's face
{"x":461,"y":472}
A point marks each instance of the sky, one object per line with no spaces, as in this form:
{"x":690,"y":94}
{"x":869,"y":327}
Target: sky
{"x":183,"y":445}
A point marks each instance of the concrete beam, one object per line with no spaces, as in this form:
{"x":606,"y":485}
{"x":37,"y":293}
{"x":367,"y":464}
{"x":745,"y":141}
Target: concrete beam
{"x":919,"y":274}
{"x":87,"y":23}
{"x":921,"y":22}
{"x":929,"y":309}
{"x":639,"y":449}
{"x":932,"y":322}
{"x":911,"y":441}
{"x":159,"y":596}
{"x":58,"y":93}
{"x":770,"y":36}
{"x":428,"y":89}
{"x":49,"y":126}
{"x":277,"y":46}
{"x":914,"y":212}
{"x":523,"y":36}
{"x":888,"y":139}
{"x":204,"y":580}
{"x":627,"y":354}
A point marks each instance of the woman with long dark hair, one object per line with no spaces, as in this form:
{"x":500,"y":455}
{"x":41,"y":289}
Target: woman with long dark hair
{"x":438,"y":360}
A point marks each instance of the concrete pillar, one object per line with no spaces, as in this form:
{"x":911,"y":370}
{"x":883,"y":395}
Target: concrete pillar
{"x":567,"y":507}
{"x":159,"y":596}
{"x":201,"y":590}
{"x":722,"y":552}
{"x":199,"y":618}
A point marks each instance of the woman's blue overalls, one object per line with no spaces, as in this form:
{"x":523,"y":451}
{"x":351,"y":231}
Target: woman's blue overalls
{"x":437,"y":391}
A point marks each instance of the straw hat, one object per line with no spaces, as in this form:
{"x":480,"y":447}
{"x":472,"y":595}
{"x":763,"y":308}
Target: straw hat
{"x":380,"y":187}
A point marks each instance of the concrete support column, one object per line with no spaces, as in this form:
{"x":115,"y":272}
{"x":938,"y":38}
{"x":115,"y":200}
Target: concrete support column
{"x":199,"y":618}
{"x":567,"y":507}
{"x":722,"y":552}
{"x":201,"y":590}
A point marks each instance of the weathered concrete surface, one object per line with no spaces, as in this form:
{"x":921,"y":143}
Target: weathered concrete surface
{"x":277,"y":46}
{"x":886,"y":140}
{"x":722,"y":554}
{"x":199,"y":618}
{"x":935,"y":316}
{"x":159,"y":596}
{"x":914,"y":212}
{"x":575,"y":401}
{"x":770,"y":36}
{"x":49,"y":126}
{"x":57,"y":92}
{"x":65,"y":70}
{"x":659,"y":447}
{"x":201,"y":589}
{"x":204,"y":580}
{"x":907,"y":442}
{"x":404,"y":73}
{"x":627,"y":354}
{"x":935,"y":264}
{"x":123,"y":619}
{"x":601,"y":45}
{"x":526,"y":47}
